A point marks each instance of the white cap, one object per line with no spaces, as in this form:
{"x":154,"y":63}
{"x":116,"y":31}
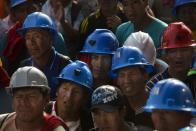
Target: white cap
{"x":145,"y":43}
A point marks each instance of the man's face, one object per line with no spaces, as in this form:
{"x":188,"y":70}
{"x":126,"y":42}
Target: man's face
{"x":29,"y":104}
{"x":134,"y":10}
{"x":70,"y":99}
{"x":187,"y":14}
{"x":21,"y":11}
{"x":108,"y":7}
{"x":169,"y":120}
{"x":131,"y":80}
{"x":101,"y":65}
{"x":38,"y":42}
{"x":179,"y":59}
{"x":107,"y":121}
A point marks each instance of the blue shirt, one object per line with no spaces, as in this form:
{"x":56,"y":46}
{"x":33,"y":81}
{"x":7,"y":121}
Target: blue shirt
{"x":52,"y":69}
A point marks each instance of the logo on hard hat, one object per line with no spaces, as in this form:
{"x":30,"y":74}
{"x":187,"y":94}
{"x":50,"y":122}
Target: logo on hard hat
{"x":92,"y":42}
{"x":77,"y":72}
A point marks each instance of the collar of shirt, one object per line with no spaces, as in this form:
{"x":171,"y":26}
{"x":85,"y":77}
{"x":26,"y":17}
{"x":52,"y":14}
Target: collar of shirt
{"x":73,"y":125}
{"x":50,"y":62}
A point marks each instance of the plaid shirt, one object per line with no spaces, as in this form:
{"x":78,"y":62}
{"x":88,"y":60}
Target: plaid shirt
{"x":156,"y":78}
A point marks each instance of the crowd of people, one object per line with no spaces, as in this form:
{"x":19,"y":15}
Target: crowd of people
{"x":98,"y":65}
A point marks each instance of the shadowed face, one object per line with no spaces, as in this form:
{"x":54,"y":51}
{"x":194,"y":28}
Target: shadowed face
{"x":170,"y":120}
{"x":29,"y":104}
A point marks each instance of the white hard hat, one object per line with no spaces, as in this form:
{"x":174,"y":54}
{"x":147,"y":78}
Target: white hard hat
{"x":145,"y":43}
{"x":28,"y":76}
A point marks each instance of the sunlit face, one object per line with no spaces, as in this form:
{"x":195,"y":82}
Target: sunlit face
{"x":169,"y":120}
{"x":107,"y":121}
{"x":38,"y":42}
{"x":132,"y":80}
{"x":101,"y":65}
{"x":29,"y":104}
{"x":70,"y":99}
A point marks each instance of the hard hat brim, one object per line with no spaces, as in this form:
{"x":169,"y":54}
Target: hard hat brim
{"x":148,"y":67}
{"x":179,"y":46}
{"x":97,"y":52}
{"x":11,"y":89}
{"x":18,"y":3}
{"x":150,"y":108}
{"x":59,"y":79}
{"x":22,"y":31}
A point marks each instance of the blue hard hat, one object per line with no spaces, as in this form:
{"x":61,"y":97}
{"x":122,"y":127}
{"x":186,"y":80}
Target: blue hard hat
{"x":77,"y":72}
{"x":130,"y":56}
{"x":180,"y":3}
{"x":14,"y":3}
{"x":188,"y":129}
{"x":101,"y":41}
{"x":38,"y":20}
{"x":170,"y":94}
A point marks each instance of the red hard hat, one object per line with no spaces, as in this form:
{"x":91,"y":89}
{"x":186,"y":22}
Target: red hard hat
{"x":177,"y":35}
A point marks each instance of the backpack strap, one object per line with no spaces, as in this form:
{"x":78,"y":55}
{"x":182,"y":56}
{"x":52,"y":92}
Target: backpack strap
{"x":3,"y":118}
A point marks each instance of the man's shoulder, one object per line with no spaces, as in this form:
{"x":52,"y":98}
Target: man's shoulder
{"x":64,"y":58}
{"x":5,"y":117}
{"x":159,"y":23}
{"x":124,"y":25}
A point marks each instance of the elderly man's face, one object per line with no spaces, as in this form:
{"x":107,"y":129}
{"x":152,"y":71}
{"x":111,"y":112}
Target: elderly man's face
{"x":38,"y":42}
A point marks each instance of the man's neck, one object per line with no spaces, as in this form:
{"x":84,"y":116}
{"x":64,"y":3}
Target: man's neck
{"x":182,"y":75}
{"x":139,"y":100}
{"x":67,"y":117}
{"x":30,"y":125}
{"x":143,"y":23}
{"x":43,"y":60}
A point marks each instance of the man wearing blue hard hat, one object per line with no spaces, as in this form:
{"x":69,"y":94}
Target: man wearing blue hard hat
{"x":39,"y":32}
{"x":73,"y":94}
{"x":12,"y":44}
{"x":185,"y":11}
{"x":133,"y":71}
{"x":171,"y":105}
{"x":100,"y":45}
